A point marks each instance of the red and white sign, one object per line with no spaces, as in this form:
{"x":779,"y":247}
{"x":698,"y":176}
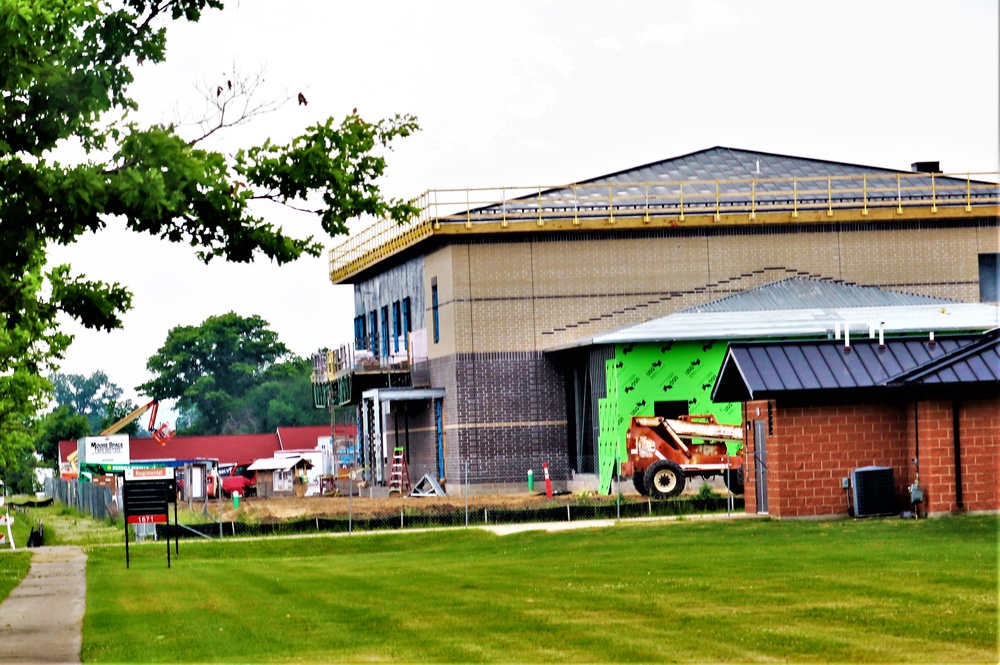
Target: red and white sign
{"x":147,"y":519}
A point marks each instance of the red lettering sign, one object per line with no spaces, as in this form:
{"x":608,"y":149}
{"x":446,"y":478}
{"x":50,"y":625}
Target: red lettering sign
{"x":149,"y":472}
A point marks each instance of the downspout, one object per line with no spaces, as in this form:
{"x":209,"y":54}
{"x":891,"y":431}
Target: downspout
{"x":955,"y":408}
{"x":916,"y":493}
{"x":439,"y":435}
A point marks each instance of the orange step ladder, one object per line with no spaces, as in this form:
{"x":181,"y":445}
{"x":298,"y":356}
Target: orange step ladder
{"x":399,"y":474}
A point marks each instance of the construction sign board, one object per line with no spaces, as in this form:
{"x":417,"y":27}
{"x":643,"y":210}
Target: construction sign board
{"x":146,"y":495}
{"x":111,"y":449}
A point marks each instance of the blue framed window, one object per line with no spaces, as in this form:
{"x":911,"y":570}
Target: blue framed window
{"x":359,"y":332}
{"x":397,"y":326}
{"x":373,"y":327}
{"x":434,"y":310}
{"x":407,"y":323}
{"x":385,"y":330}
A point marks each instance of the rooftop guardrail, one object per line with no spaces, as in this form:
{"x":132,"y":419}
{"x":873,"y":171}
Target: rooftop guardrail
{"x":597,"y":205}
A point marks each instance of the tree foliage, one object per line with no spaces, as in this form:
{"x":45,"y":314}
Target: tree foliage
{"x":92,"y":396}
{"x":85,"y":406}
{"x":65,"y":71}
{"x":63,"y":423}
{"x":281,"y":398}
{"x":212,"y":368}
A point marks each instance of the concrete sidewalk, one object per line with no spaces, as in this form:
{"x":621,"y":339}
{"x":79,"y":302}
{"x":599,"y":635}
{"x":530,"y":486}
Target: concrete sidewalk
{"x":41,"y":621}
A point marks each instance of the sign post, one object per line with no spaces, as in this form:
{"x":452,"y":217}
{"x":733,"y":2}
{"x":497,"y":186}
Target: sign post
{"x":146,"y":494}
{"x":6,"y":519}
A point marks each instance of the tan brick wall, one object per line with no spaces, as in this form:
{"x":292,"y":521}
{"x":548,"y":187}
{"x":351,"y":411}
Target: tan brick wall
{"x":522,"y":295}
{"x":988,"y":237}
{"x":816,"y":253}
{"x":440,"y":265}
{"x":933,"y":262}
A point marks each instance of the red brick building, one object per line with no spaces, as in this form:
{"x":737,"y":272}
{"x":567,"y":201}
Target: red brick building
{"x":815,"y":412}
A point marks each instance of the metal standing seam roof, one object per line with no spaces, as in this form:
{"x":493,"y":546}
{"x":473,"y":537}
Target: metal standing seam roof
{"x":769,"y":370}
{"x":804,"y":293}
{"x":799,"y":307}
{"x":977,"y":363}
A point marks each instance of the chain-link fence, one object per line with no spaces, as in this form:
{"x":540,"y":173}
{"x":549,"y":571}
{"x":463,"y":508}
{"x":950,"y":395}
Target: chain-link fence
{"x":88,"y":498}
{"x":477,"y":516}
{"x":352,"y":503}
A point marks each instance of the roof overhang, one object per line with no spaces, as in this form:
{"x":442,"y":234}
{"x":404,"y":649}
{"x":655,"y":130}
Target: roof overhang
{"x":403,"y":394}
{"x":861,"y":322}
{"x":279,"y":463}
{"x":826,"y":372}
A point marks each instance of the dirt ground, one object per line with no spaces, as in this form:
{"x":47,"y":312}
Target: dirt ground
{"x":285,"y":508}
{"x":282,"y":508}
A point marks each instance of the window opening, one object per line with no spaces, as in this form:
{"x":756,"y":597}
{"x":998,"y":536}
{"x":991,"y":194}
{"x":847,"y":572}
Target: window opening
{"x":385,"y":330}
{"x":434,"y":309}
{"x":359,"y":332}
{"x":397,"y":326}
{"x":407,"y":323}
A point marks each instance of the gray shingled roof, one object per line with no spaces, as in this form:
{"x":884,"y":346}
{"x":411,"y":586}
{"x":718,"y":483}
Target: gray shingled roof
{"x":732,"y":169}
{"x":807,"y":371}
{"x":802,"y":293}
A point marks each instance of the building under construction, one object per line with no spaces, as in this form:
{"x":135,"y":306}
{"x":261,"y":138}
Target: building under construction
{"x":483,"y":329}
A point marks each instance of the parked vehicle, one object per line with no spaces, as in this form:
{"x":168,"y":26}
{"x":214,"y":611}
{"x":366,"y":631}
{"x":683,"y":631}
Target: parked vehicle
{"x":664,"y":452}
{"x":211,"y":490}
{"x":240,"y":479}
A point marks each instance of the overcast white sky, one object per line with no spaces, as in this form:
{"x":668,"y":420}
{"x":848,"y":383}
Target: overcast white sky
{"x":544,"y":92}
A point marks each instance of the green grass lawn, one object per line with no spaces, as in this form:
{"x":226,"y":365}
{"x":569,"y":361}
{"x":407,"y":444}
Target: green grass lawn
{"x":750,"y":590}
{"x":13,"y":568}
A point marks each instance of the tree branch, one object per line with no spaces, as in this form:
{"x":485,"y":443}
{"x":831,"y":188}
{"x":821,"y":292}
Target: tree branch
{"x":238,"y":93}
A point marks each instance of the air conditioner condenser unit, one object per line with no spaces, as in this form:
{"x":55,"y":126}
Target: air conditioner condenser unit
{"x":874,"y":491}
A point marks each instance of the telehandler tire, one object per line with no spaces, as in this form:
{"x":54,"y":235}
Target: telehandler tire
{"x":664,"y":479}
{"x":735,"y":480}
{"x":639,"y":481}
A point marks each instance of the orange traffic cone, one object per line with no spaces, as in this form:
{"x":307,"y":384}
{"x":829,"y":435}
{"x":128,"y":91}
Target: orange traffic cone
{"x":548,"y":481}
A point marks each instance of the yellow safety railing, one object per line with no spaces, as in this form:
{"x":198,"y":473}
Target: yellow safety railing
{"x":691,"y":202}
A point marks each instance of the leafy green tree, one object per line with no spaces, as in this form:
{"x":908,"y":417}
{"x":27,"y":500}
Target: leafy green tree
{"x":63,"y":423}
{"x":91,"y":396}
{"x":65,"y":71}
{"x":282,"y":398}
{"x":19,"y":473}
{"x":210,"y":366}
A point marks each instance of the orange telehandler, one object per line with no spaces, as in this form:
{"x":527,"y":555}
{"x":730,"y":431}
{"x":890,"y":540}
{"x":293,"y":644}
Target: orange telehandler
{"x":663,"y":452}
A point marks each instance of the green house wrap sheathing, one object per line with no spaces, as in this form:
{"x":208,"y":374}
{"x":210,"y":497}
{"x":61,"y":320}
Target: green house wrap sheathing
{"x":640,"y":375}
{"x":607,"y":442}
